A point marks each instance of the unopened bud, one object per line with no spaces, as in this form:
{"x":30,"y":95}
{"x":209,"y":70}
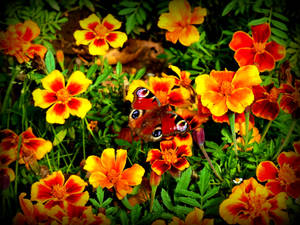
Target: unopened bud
{"x":199,"y":136}
{"x":60,"y":58}
{"x":154,"y":179}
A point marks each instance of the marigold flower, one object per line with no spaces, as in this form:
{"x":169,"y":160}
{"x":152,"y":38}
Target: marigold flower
{"x":34,"y":214}
{"x":7,"y":175}
{"x":98,"y":34}
{"x":171,"y":157}
{"x":164,"y":90}
{"x":265,"y":104}
{"x":286,"y":178}
{"x":255,"y":49}
{"x":226,"y":90}
{"x":252,"y":203}
{"x":62,"y":99}
{"x":179,"y":22}
{"x":32,"y":148}
{"x":290,"y":100}
{"x":107,"y":172}
{"x":53,"y":190}
{"x":182,"y":78}
{"x":16,"y":41}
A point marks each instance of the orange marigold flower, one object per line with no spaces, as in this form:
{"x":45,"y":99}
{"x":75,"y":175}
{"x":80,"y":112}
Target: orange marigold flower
{"x":16,"y":41}
{"x":226,"y":90}
{"x":290,"y":100}
{"x":286,"y":178}
{"x":182,"y":78}
{"x":171,"y":157}
{"x":255,"y":49}
{"x":179,"y":22}
{"x":253,"y":203}
{"x":34,"y":214}
{"x":164,"y":90}
{"x":53,"y":190}
{"x":107,"y":172}
{"x":98,"y":34}
{"x":32,"y":148}
{"x":265,"y":104}
{"x":62,"y":99}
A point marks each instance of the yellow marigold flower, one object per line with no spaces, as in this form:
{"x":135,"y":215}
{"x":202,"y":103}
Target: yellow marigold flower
{"x":227,"y":90}
{"x":62,"y":98}
{"x":108,"y":171}
{"x":179,"y":22}
{"x":99,"y":34}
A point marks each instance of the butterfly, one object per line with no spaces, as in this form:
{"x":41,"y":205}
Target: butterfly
{"x":150,"y":120}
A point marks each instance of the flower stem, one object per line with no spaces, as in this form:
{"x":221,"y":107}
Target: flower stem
{"x":286,"y":140}
{"x":7,"y":94}
{"x":17,"y":165}
{"x":231,"y":117}
{"x":83,"y":138}
{"x":209,"y":162}
{"x":265,"y":131}
{"x":153,"y":192}
{"x":246,"y":138}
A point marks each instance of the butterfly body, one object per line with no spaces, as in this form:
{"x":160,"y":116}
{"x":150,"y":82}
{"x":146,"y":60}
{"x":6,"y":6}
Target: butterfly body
{"x":151,"y":121}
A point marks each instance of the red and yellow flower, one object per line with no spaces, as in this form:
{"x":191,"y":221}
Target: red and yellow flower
{"x":32,"y":148}
{"x":170,"y":157}
{"x":286,"y":178}
{"x":265,"y":104}
{"x":62,"y":98}
{"x":53,"y":190}
{"x":16,"y":41}
{"x":34,"y":213}
{"x":290,"y":100}
{"x":255,"y":49}
{"x":108,"y":171}
{"x":253,"y":203}
{"x":99,"y":34}
{"x":227,"y":90}
{"x":179,"y":22}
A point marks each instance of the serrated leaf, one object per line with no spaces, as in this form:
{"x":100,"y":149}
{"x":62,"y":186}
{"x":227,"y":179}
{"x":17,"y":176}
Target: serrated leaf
{"x":135,"y":213}
{"x":59,"y":137}
{"x":211,"y":192}
{"x":188,"y":193}
{"x":124,"y":218}
{"x":92,"y":70}
{"x":184,"y":180}
{"x":189,"y":201}
{"x":140,"y":73}
{"x":179,"y":210}
{"x":279,"y":33}
{"x":258,"y":21}
{"x":130,"y":23}
{"x":213,"y":202}
{"x":100,"y":194}
{"x":106,"y":202}
{"x":126,"y":203}
{"x":94,"y":202}
{"x":49,"y":61}
{"x":279,"y":25}
{"x":126,"y":11}
{"x":53,"y":4}
{"x":166,"y":199}
{"x":228,"y":8}
{"x":280,"y":16}
{"x":128,"y":3}
{"x":204,"y":180}
{"x":278,"y":40}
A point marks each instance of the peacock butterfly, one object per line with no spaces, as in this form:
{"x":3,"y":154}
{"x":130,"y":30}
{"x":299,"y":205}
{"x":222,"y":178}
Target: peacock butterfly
{"x":150,"y":120}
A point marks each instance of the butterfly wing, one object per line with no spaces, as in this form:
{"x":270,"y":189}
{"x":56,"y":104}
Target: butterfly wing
{"x":172,"y":123}
{"x":144,"y":99}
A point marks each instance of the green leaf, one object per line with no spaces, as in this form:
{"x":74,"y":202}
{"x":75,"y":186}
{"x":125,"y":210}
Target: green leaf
{"x":258,"y":21}
{"x":135,"y":213}
{"x":126,"y":11}
{"x":140,"y":73}
{"x":126,"y":203}
{"x":53,"y":4}
{"x":213,"y":191}
{"x":278,"y":40}
{"x":128,"y":3}
{"x":49,"y":61}
{"x":106,"y":202}
{"x":179,"y":210}
{"x":100,"y":194}
{"x":279,"y":25}
{"x":166,"y":199}
{"x":130,"y":23}
{"x":184,"y":180}
{"x":189,"y":201}
{"x":119,"y":68}
{"x":279,"y":16}
{"x":228,"y":8}
{"x":94,"y":203}
{"x":89,"y":5}
{"x":188,"y":193}
{"x":92,"y":70}
{"x":204,"y":180}
{"x":59,"y":137}
{"x":124,"y":218}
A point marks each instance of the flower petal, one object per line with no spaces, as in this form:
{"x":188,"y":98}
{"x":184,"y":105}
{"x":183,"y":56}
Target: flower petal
{"x":264,"y":61}
{"x":37,"y":146}
{"x":93,"y":164}
{"x":198,"y":15}
{"x":205,"y":83}
{"x":288,"y":104}
{"x":43,"y":98}
{"x":275,"y":186}
{"x":245,"y":56}
{"x":189,"y":35}
{"x":28,"y":31}
{"x":240,"y":99}
{"x":216,"y":102}
{"x":160,"y":166}
{"x":90,"y":22}
{"x":184,"y":150}
{"x":180,"y":9}
{"x":290,"y":158}
{"x":195,"y":217}
{"x":108,"y":159}
{"x":78,"y":83}
{"x":54,"y":81}
{"x":296,"y":146}
{"x":293,"y":189}
{"x":111,"y":23}
{"x":121,"y":160}
{"x":78,"y":199}
{"x":229,"y":210}
{"x":266,"y":170}
{"x":79,"y":106}
{"x":100,"y":179}
{"x":75,"y":184}
{"x":9,"y":140}
{"x":181,"y":164}
{"x":84,"y":37}
{"x":276,"y":50}
{"x":153,"y":154}
{"x":116,"y":39}
{"x":36,"y":49}
{"x":265,"y":109}
{"x":133,"y":175}
{"x":239,"y":40}
{"x":98,"y":47}
{"x":57,"y":113}
{"x":167,"y":21}
{"x":261,"y":33}
{"x":246,"y":76}
{"x":179,"y":97}
{"x":173,"y":36}
{"x":26,"y":205}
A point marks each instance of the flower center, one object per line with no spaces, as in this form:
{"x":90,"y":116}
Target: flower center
{"x":58,"y":191}
{"x":257,"y":204}
{"x":101,"y":30}
{"x":63,"y":95}
{"x":259,"y":47}
{"x":170,"y":155}
{"x":226,"y":88}
{"x":113,"y":176}
{"x":273,"y":96}
{"x":287,"y":174}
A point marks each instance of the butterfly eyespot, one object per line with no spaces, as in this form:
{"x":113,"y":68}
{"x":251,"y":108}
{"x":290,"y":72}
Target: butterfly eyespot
{"x":181,"y":125}
{"x":157,"y":133}
{"x":142,"y":92}
{"x":136,"y":113}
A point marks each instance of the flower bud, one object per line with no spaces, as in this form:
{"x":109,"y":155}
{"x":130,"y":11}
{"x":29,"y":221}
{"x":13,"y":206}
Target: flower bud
{"x":154,"y":179}
{"x":60,"y":56}
{"x":199,"y":136}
